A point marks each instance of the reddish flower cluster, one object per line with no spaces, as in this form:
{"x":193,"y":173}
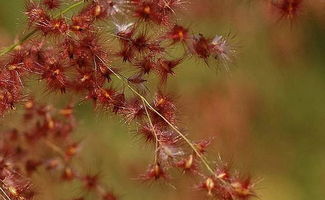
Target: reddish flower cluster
{"x":45,"y":130}
{"x":71,"y":56}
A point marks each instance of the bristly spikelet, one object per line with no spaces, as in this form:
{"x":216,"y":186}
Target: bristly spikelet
{"x":146,"y":10}
{"x":52,"y":4}
{"x":188,"y":165}
{"x":178,"y":34}
{"x":35,"y":13}
{"x":287,"y":9}
{"x":109,"y":196}
{"x":222,"y":49}
{"x":201,"y":46}
{"x":91,"y":182}
{"x":132,"y":110}
{"x":154,"y":172}
{"x":165,"y":106}
{"x":242,"y":188}
{"x":165,"y":68}
{"x":218,"y":48}
{"x":124,"y":31}
{"x":148,"y":132}
{"x":146,"y":65}
{"x":41,"y":20}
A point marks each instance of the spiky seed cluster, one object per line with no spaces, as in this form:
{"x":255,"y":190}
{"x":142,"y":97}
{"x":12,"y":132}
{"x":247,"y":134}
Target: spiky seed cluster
{"x":71,"y":56}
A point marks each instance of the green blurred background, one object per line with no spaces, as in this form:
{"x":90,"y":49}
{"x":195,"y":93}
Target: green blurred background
{"x":267,"y":118}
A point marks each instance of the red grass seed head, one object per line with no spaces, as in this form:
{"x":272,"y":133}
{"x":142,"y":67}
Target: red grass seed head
{"x":52,"y":4}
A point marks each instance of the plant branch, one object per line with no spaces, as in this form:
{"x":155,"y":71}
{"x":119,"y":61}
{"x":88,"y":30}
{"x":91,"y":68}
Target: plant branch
{"x":188,"y":141}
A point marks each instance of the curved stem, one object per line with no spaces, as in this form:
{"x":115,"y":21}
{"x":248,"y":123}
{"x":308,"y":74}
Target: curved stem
{"x":30,"y":34}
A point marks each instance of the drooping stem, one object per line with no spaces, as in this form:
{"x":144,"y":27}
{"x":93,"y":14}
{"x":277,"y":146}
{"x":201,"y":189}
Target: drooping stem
{"x":30,"y":34}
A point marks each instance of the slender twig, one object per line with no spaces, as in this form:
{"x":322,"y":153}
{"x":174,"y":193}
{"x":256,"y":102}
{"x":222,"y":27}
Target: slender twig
{"x":5,"y":197}
{"x":153,"y":129}
{"x":54,"y":148}
{"x":30,"y":34}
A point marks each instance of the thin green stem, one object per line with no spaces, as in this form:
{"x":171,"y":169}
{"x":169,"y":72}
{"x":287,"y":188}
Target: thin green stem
{"x":30,"y":34}
{"x":71,"y":7}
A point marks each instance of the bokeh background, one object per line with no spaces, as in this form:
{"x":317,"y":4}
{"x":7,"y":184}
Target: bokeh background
{"x":266,"y":117}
